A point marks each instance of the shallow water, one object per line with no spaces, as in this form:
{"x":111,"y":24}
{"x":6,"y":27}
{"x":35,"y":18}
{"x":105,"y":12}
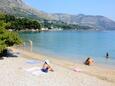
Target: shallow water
{"x":74,"y":45}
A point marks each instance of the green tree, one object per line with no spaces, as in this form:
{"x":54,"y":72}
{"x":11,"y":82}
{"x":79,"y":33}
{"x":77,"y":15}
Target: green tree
{"x":7,"y":38}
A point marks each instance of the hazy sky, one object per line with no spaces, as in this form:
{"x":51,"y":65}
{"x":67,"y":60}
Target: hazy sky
{"x":88,"y":7}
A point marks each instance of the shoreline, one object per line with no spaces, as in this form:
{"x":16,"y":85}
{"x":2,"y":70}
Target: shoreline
{"x":97,"y":71}
{"x":78,"y":61}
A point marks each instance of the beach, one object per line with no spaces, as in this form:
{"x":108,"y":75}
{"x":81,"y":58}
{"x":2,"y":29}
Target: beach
{"x":14,"y":72}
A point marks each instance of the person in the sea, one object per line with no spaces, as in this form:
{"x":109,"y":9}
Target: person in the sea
{"x":107,"y":55}
{"x":89,"y":61}
{"x":46,"y":67}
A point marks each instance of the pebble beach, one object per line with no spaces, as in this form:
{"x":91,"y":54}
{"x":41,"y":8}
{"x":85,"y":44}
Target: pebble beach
{"x":14,"y":72}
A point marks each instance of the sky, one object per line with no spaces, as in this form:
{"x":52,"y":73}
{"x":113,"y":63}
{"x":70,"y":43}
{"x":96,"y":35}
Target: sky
{"x":88,"y":7}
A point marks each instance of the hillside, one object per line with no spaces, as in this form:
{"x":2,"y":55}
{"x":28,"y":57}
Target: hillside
{"x":96,"y":22}
{"x":19,"y":8}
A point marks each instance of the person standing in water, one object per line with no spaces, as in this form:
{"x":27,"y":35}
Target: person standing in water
{"x":107,"y":55}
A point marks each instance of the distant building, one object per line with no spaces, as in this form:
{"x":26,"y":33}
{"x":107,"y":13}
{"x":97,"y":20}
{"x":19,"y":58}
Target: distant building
{"x":44,"y":29}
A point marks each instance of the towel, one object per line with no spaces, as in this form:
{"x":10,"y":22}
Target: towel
{"x":35,"y":71}
{"x":33,"y":62}
{"x":38,"y":72}
{"x":77,"y":69}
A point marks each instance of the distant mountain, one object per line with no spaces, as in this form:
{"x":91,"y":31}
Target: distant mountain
{"x":19,"y":8}
{"x":96,"y":22}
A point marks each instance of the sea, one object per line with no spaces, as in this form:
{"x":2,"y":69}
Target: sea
{"x":76,"y":46}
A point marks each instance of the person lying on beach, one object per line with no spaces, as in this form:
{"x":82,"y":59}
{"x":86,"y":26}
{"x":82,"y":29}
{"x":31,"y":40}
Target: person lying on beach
{"x":89,"y":61}
{"x":46,"y":67}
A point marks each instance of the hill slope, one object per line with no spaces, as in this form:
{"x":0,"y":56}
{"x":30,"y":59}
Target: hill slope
{"x":96,"y":22}
{"x":19,"y":8}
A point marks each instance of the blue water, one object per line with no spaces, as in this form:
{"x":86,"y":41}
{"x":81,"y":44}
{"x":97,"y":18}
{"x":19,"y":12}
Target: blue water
{"x":74,"y":45}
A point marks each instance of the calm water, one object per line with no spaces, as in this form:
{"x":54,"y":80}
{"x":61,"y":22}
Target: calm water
{"x":74,"y":45}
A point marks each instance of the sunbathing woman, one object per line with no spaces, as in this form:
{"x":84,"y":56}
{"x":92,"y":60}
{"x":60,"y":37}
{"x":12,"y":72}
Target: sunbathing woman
{"x":46,"y":67}
{"x":89,"y":61}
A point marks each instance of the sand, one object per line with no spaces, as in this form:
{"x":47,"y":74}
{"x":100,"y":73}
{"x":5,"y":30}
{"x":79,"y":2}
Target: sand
{"x":13,"y":72}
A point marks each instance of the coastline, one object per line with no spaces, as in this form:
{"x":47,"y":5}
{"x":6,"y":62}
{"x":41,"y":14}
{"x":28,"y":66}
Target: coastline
{"x":63,"y":75}
{"x":101,"y":72}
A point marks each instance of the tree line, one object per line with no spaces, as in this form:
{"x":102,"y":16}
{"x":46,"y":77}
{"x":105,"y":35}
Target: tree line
{"x":63,"y":25}
{"x":19,"y":23}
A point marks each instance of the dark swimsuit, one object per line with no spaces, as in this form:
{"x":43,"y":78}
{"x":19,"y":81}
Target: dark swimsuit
{"x":45,"y":70}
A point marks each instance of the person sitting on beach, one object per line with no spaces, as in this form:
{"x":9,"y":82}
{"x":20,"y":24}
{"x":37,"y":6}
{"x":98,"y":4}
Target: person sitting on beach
{"x":89,"y":61}
{"x":46,"y":67}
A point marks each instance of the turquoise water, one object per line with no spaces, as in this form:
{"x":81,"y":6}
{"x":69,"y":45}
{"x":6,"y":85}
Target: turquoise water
{"x":75,"y":45}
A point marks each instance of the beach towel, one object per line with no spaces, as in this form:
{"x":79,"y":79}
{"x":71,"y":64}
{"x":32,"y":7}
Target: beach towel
{"x":38,"y":72}
{"x":35,"y":71}
{"x":76,"y":69}
{"x":33,"y":62}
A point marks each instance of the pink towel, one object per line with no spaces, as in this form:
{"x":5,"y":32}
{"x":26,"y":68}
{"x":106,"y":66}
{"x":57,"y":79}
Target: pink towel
{"x":77,"y":69}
